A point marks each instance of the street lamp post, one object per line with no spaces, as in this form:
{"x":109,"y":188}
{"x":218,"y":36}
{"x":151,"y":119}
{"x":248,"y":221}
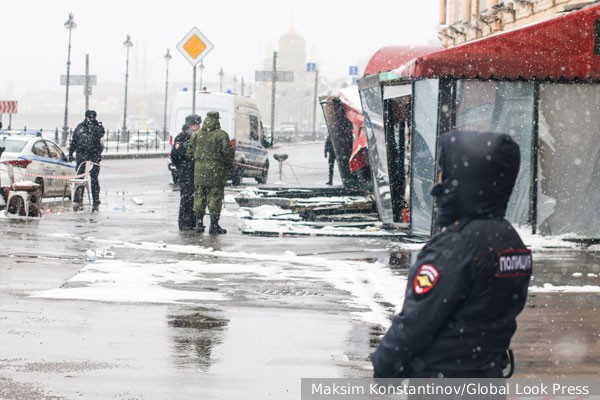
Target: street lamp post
{"x":70,"y":25}
{"x":167,"y":59}
{"x":201,"y":66}
{"x":314,"y":116}
{"x":221,"y":74}
{"x":128,"y":44}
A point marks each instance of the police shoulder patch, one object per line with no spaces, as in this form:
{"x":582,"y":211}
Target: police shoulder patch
{"x":513,"y":263}
{"x":425,"y":279}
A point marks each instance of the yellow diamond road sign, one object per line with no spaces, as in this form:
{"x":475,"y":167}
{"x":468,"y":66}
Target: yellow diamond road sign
{"x":194,"y":46}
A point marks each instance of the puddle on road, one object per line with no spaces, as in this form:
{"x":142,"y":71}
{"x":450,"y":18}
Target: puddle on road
{"x":196,"y":321}
{"x":194,"y":338}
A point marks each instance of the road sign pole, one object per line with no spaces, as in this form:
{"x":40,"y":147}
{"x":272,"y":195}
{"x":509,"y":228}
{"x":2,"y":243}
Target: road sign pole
{"x":194,"y":91}
{"x":273,"y":91}
{"x":314,"y":127}
{"x":194,"y":47}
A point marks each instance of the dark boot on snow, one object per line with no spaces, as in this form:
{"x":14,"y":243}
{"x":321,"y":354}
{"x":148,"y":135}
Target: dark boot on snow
{"x":215,"y":229}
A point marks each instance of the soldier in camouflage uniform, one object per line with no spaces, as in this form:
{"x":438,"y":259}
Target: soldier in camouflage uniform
{"x":213,"y":154}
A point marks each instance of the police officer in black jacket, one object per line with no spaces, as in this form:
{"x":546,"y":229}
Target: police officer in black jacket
{"x":86,"y":143}
{"x":185,"y":168}
{"x":470,"y":280}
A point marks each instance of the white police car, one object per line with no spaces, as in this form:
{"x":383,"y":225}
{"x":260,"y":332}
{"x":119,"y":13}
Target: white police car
{"x":34,"y":158}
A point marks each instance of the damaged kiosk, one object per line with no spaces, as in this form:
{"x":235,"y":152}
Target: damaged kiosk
{"x":540,"y":84}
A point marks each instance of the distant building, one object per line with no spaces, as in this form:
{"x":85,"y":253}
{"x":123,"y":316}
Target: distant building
{"x":466,"y":20}
{"x":294,"y":100}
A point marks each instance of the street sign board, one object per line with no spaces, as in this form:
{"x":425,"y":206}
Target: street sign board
{"x":77,"y":80}
{"x":194,"y":46}
{"x":280,"y":76}
{"x":311,"y":67}
{"x":353,"y":70}
{"x":8,"y":107}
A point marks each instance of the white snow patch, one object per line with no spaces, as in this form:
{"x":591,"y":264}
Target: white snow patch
{"x":550,"y":288}
{"x":370,"y":286}
{"x":539,"y":242}
{"x":286,"y":227}
{"x":118,"y":281}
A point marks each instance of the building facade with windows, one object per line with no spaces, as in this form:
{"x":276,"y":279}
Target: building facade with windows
{"x":462,"y":21}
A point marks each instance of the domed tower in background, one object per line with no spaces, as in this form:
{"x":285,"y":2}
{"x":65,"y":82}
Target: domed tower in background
{"x":292,"y":53}
{"x":294,"y":100}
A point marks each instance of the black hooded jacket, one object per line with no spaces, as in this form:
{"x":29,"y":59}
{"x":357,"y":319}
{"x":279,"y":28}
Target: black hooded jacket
{"x":180,"y":157}
{"x":86,"y":141}
{"x":470,"y":281}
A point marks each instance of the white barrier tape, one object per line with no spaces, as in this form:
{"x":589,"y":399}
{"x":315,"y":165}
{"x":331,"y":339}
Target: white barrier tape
{"x":302,"y":167}
{"x":61,"y":177}
{"x":250,"y":166}
{"x":67,"y":177}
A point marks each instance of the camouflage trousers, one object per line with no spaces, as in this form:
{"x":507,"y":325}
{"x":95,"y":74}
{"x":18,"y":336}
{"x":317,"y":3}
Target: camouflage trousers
{"x":208,"y":196}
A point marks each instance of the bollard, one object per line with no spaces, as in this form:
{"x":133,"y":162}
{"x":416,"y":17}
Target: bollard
{"x":281,"y":158}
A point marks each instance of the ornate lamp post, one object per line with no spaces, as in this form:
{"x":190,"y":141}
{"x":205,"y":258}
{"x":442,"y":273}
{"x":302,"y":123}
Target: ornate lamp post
{"x":70,"y":25}
{"x":201,"y":66}
{"x":167,"y":58}
{"x":221,"y":74}
{"x":128,"y":44}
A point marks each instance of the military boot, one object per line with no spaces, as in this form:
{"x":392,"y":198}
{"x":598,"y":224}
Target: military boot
{"x":215,"y":229}
{"x":199,"y":224}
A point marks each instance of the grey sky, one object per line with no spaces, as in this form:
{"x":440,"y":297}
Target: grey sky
{"x":337,"y":33}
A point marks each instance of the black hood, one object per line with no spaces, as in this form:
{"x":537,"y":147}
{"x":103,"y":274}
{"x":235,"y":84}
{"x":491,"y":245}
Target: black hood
{"x":479,"y":170}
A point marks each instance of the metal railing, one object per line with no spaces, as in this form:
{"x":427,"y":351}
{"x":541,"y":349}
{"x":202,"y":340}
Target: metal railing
{"x":139,"y":141}
{"x":114,"y":141}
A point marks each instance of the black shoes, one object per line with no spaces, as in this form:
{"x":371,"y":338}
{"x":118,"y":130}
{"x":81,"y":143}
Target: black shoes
{"x":215,"y":229}
{"x":95,"y":206}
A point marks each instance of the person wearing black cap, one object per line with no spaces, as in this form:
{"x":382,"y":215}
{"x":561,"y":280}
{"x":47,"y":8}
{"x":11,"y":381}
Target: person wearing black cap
{"x":470,"y":280}
{"x":86,"y":143}
{"x":185,"y":169}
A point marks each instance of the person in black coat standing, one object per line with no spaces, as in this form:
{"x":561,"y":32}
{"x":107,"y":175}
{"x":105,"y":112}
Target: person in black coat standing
{"x":86,"y":143}
{"x":470,"y":280}
{"x":185,"y":168}
{"x":329,"y":150}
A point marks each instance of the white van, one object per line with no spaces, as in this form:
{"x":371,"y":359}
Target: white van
{"x":240,"y":118}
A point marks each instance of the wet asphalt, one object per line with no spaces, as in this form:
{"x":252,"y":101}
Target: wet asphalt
{"x":257,"y":346}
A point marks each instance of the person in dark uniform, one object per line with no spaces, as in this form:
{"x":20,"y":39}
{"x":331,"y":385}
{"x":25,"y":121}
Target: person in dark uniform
{"x":185,"y":168}
{"x":86,"y":143}
{"x":331,"y":159}
{"x":213,"y":158}
{"x":470,"y":280}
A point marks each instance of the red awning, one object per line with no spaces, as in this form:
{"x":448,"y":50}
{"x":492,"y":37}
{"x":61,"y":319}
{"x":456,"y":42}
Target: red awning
{"x":391,"y":57}
{"x":384,"y":59}
{"x":359,"y":158}
{"x":560,"y":48}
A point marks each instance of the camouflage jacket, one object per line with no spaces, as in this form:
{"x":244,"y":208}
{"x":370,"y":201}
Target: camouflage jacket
{"x":212,"y":152}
